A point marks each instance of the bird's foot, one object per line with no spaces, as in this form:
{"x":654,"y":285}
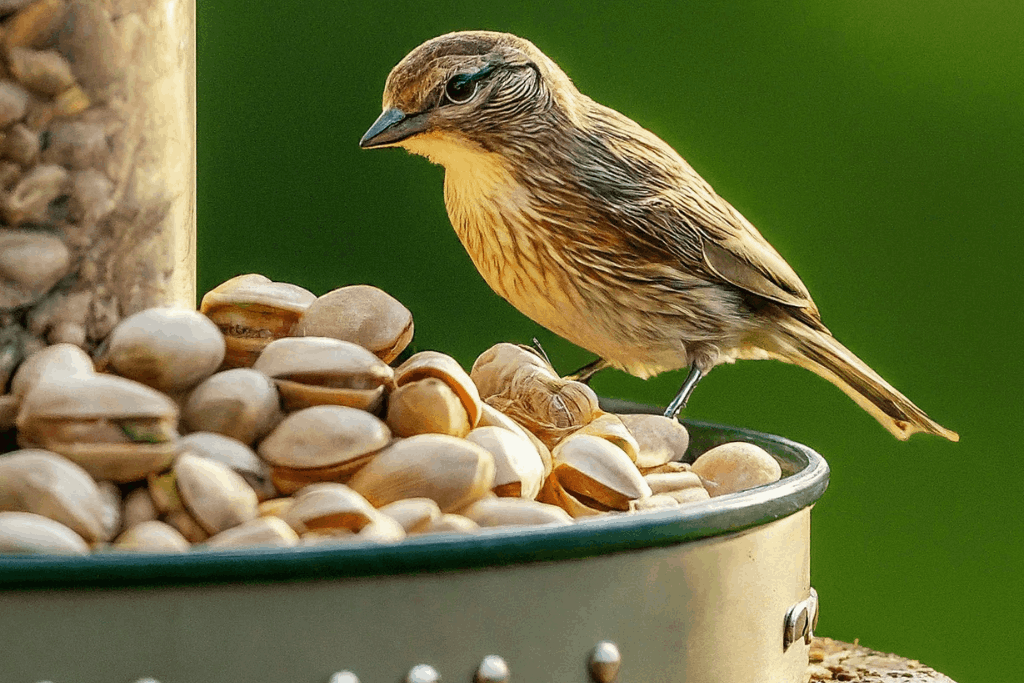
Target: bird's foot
{"x":585,"y":373}
{"x":679,"y":402}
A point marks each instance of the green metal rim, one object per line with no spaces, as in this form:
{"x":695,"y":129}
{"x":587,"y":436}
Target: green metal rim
{"x":805,"y":478}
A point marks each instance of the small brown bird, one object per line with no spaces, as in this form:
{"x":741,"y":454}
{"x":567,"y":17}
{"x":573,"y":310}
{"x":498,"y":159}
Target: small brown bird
{"x":599,"y":231}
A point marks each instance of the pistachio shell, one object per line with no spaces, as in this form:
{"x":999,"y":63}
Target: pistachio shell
{"x":736,"y":466}
{"x":593,"y":467}
{"x":275,"y":507}
{"x":9,"y":406}
{"x":45,"y":71}
{"x":412,"y":514}
{"x":187,"y":525}
{"x":450,"y":471}
{"x":382,"y":529}
{"x":324,"y":436}
{"x":252,"y":311}
{"x":31,"y":262}
{"x":58,"y":360}
{"x":428,"y":406}
{"x":26,"y":532}
{"x":518,"y":469}
{"x":658,"y":501}
{"x":241,"y":403}
{"x":328,"y":506}
{"x":318,"y":370}
{"x":110,"y":517}
{"x":113,"y":427}
{"x":47,"y":484}
{"x":553,"y":493}
{"x":260,"y":532}
{"x":694,"y":494}
{"x":138,"y":507}
{"x":515,"y":512}
{"x":363,"y":315}
{"x":671,"y":481}
{"x":660,"y":439}
{"x":495,"y":367}
{"x":610,"y":428}
{"x":233,"y":453}
{"x":550,"y":407}
{"x":492,"y":417}
{"x":168,"y":349}
{"x":666,"y":468}
{"x":449,"y":524}
{"x":217,"y":497}
{"x":152,"y":537}
{"x":447,"y":369}
{"x":288,"y":480}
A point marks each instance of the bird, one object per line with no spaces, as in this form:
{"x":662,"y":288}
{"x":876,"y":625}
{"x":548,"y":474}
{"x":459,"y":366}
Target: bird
{"x":598,"y":230}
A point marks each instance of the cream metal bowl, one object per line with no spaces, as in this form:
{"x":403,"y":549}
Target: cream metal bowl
{"x":715,"y":592}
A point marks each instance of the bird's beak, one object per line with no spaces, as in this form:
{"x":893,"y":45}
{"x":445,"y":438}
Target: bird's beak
{"x":392,"y":126}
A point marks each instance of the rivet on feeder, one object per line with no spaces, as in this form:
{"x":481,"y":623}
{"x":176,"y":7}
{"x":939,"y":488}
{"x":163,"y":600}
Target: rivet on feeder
{"x":423,"y":673}
{"x":604,"y":662}
{"x":343,"y":677}
{"x":812,"y":610}
{"x":493,"y":669}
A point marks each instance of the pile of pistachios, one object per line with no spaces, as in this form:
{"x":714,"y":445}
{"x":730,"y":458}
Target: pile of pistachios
{"x":272,"y":417}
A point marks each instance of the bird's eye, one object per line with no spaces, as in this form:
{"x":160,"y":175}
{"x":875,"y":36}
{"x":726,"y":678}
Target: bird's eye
{"x":460,"y":89}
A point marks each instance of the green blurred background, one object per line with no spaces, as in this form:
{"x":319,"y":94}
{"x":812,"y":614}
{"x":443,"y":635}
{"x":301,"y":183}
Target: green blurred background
{"x":878,"y":145}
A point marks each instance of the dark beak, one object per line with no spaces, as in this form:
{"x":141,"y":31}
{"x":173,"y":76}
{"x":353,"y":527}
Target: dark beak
{"x":393,"y":126}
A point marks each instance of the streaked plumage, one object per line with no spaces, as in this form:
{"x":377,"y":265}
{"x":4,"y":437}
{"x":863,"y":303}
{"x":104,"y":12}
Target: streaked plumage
{"x":598,"y":230}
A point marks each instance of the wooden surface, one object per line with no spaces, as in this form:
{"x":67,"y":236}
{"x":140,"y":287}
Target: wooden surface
{"x":833,"y":660}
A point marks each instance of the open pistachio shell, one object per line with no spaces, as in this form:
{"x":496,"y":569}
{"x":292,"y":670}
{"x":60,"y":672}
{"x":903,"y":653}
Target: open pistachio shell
{"x":412,"y":514}
{"x":595,"y":468}
{"x":671,"y":481}
{"x":492,"y":417}
{"x":695,"y":494}
{"x":515,"y":512}
{"x":251,"y":311}
{"x":495,"y":367}
{"x":271,"y":532}
{"x":115,"y":428}
{"x":50,"y":485}
{"x":518,"y":469}
{"x":659,"y":439}
{"x":152,"y":537}
{"x":427,"y":406}
{"x":328,"y":506}
{"x":447,"y":369}
{"x":324,"y":437}
{"x":233,"y":453}
{"x":553,"y":493}
{"x":450,"y":471}
{"x":381,"y":529}
{"x":216,"y":496}
{"x":669,"y":467}
{"x":322,"y":371}
{"x":27,"y":532}
{"x":659,"y":501}
{"x":363,"y":315}
{"x":169,"y":349}
{"x":736,"y":466}
{"x":110,"y":518}
{"x":241,"y":403}
{"x":275,"y":507}
{"x":449,"y":524}
{"x":58,"y":360}
{"x":610,"y":428}
{"x":187,"y":525}
{"x":138,"y":507}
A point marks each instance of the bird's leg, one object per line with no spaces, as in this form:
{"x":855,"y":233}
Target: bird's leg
{"x":589,"y":370}
{"x":679,"y":402}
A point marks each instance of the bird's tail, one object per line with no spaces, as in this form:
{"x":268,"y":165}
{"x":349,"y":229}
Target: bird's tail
{"x":819,"y":352}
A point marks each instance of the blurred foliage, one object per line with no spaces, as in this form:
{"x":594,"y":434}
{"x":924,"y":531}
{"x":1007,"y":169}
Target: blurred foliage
{"x":879,"y":146}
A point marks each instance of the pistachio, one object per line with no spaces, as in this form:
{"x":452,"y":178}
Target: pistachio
{"x":260,"y":532}
{"x":449,"y":524}
{"x":495,"y":367}
{"x":381,"y":529}
{"x":35,"y":23}
{"x":9,"y":405}
{"x":241,"y":403}
{"x":321,"y":371}
{"x":44,"y":71}
{"x":216,"y":496}
{"x":736,"y":466}
{"x":328,"y":506}
{"x":168,"y":349}
{"x":47,"y":484}
{"x":57,"y":360}
{"x":31,"y":198}
{"x":668,"y":467}
{"x":234,"y":454}
{"x":92,"y":45}
{"x":363,"y":315}
{"x":591,"y":467}
{"x":553,"y":493}
{"x":450,"y":471}
{"x":518,"y":469}
{"x":659,"y":439}
{"x":515,"y":512}
{"x":76,"y":145}
{"x":658,"y":501}
{"x":275,"y":507}
{"x":610,"y":428}
{"x":428,"y":406}
{"x":671,"y":481}
{"x":138,"y":507}
{"x":21,"y":144}
{"x":323,"y":443}
{"x":113,"y":427}
{"x":31,"y":263}
{"x":13,"y":102}
{"x":152,"y":536}
{"x":412,"y":514}
{"x":695,"y":494}
{"x":445,"y":368}
{"x":92,"y":196}
{"x":110,"y":517}
{"x":72,"y":101}
{"x":26,"y":532}
{"x":492,"y":417}
{"x":252,"y":311}
{"x":187,"y":526}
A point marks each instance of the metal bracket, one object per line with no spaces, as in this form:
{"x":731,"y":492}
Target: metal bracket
{"x":801,"y":620}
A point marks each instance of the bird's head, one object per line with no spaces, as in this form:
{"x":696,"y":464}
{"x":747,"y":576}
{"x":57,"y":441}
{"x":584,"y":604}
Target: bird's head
{"x":469,"y":91}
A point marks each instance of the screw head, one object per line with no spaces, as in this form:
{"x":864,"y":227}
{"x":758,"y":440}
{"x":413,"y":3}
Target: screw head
{"x":423,"y":673}
{"x":493,"y":669}
{"x":605,"y":660}
{"x":343,"y":677}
